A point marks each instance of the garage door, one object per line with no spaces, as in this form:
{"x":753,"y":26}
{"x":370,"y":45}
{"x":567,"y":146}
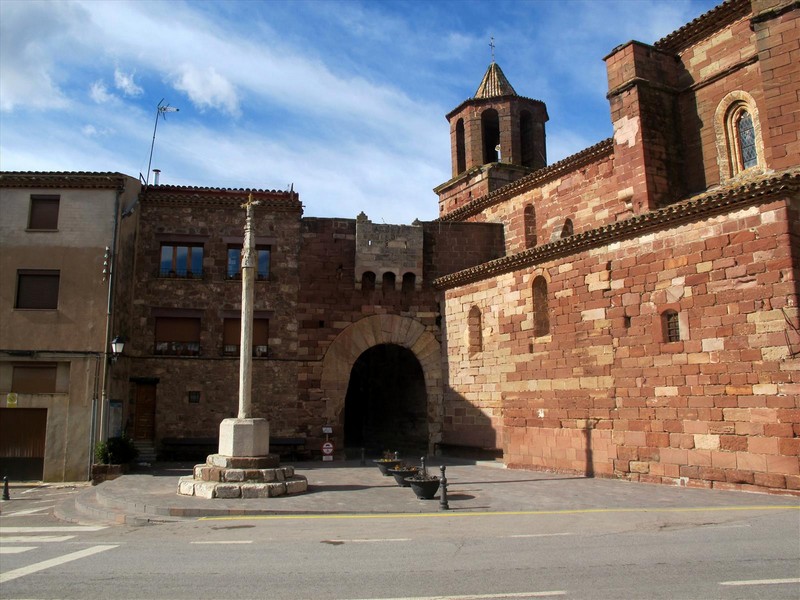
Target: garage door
{"x":22,"y":435}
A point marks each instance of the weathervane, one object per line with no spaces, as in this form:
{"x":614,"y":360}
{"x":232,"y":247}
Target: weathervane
{"x":161,"y":111}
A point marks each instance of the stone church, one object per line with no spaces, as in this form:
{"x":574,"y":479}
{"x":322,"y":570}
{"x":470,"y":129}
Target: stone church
{"x":630,"y":311}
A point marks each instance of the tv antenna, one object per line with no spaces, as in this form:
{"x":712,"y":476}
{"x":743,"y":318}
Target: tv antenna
{"x":161,"y":111}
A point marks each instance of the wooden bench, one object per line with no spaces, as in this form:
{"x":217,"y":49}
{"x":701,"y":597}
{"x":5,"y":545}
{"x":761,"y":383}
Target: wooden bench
{"x":292,"y":447}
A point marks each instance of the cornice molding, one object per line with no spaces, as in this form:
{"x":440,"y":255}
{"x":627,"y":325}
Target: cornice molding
{"x":63,"y":180}
{"x":529,"y":182}
{"x":692,"y":209}
{"x":701,"y":27}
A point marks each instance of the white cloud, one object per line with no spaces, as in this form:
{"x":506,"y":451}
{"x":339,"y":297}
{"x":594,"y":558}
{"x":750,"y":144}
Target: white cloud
{"x":125,"y":83}
{"x":99,"y":93}
{"x":206,"y":88}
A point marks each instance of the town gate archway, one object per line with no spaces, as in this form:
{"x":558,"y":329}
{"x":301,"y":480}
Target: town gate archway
{"x":373,"y":338}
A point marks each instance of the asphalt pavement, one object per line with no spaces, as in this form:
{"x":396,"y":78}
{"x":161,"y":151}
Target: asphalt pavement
{"x":149,"y":495}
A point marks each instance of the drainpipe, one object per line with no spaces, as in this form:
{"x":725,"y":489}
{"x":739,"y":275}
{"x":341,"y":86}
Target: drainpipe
{"x":103,"y":413}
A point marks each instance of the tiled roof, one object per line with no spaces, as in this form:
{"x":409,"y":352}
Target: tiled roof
{"x":704,"y":25}
{"x":62,"y":179}
{"x":494,"y":84}
{"x":206,"y":196}
{"x":717,"y":201}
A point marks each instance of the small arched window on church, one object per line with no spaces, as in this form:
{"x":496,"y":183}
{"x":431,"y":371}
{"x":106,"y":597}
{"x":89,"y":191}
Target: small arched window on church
{"x":541,"y":310}
{"x":475,"y":330}
{"x":368,"y":281}
{"x":461,"y":157}
{"x":490,"y":132}
{"x":409,"y":280}
{"x":670,"y":322}
{"x":529,"y":222}
{"x":388,"y":281}
{"x":738,"y":133}
{"x":567,"y":230}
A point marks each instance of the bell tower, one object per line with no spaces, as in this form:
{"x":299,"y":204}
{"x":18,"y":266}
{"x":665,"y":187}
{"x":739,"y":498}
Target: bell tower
{"x":496,"y":137}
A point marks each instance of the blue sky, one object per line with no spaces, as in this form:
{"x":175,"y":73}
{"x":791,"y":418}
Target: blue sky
{"x":344,"y":99}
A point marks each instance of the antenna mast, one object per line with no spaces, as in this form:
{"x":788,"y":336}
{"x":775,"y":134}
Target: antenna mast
{"x":161,"y":111}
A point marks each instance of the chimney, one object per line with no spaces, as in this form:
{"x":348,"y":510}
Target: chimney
{"x":157,"y":173}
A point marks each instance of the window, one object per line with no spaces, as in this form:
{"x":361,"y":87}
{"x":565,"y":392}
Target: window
{"x":529,"y":222}
{"x":37,"y":289}
{"x":232,"y":337}
{"x":461,"y":160}
{"x":409,"y":282}
{"x":568,"y":229}
{"x":738,"y":133}
{"x":672,"y":327}
{"x":44,"y":213}
{"x":184,"y":260}
{"x":177,"y":336}
{"x":490,"y":129}
{"x":541,"y":311}
{"x":368,"y":281}
{"x":526,"y":134}
{"x":475,"y":330}
{"x":388,"y":281}
{"x":34,"y":378}
{"x":262,"y":255}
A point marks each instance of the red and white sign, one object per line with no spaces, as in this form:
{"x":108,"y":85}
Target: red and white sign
{"x":327,"y":448}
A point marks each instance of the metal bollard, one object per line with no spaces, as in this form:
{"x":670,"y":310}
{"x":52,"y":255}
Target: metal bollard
{"x":363,"y":457}
{"x":6,"y":495}
{"x":443,"y":505}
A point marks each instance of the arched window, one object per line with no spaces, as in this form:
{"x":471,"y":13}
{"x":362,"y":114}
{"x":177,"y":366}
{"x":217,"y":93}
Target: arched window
{"x":388,"y":281}
{"x":526,"y":139}
{"x":567,"y":230}
{"x":670,"y":322}
{"x":738,"y":133}
{"x":461,"y":157}
{"x":368,"y":281}
{"x":529,"y":222}
{"x":409,"y":279}
{"x":474,"y":328}
{"x":490,"y":132}
{"x":541,"y":311}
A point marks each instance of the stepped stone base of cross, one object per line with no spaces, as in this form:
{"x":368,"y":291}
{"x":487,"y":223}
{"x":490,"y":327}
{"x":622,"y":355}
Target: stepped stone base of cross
{"x":244,"y":468}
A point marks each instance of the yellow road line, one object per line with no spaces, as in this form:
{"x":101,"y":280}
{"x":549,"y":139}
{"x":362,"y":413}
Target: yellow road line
{"x":449,"y":514}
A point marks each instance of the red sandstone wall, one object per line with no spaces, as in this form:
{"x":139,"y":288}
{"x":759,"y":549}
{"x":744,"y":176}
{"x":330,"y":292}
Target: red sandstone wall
{"x":604,"y":394}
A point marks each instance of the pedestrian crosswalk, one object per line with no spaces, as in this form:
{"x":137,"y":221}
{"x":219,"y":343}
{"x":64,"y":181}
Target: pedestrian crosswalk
{"x":37,"y":541}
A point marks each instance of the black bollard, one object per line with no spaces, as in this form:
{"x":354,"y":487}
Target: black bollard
{"x":363,"y":457}
{"x":6,"y":495}
{"x":443,"y":505}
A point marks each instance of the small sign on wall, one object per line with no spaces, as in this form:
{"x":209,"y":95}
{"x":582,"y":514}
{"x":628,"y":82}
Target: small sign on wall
{"x":11,"y":400}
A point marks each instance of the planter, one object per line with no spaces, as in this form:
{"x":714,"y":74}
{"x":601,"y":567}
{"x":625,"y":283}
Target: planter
{"x":384,"y":464}
{"x":425,"y":489}
{"x":101,"y":473}
{"x":400,"y":475}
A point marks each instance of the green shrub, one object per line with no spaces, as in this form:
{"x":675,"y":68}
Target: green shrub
{"x":116,"y":451}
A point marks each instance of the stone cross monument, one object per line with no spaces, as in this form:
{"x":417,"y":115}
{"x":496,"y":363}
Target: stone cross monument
{"x":244,"y":468}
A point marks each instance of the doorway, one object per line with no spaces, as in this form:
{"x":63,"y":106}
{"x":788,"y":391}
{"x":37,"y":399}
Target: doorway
{"x":386,"y":403}
{"x":144,"y":412}
{"x":22,"y":441}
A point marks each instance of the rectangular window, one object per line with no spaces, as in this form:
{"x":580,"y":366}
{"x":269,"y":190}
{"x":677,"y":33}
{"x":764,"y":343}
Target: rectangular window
{"x":232,"y":337}
{"x":37,"y":289}
{"x":184,"y":260}
{"x":177,"y":336}
{"x":44,"y":213}
{"x":262,"y":256}
{"x":34,"y":378}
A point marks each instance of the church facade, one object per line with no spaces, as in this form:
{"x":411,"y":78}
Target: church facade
{"x":630,"y":311}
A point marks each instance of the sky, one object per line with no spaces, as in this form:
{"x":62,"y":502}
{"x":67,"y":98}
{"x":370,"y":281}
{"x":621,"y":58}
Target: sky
{"x":343,"y":99}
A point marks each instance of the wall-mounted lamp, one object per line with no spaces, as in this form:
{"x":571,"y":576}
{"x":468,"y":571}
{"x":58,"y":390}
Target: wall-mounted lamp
{"x":117,"y":346}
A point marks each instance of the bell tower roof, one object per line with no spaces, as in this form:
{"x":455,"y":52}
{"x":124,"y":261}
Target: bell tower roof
{"x":494,"y":84}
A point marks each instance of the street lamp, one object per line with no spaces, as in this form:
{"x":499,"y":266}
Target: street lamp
{"x":117,"y":346}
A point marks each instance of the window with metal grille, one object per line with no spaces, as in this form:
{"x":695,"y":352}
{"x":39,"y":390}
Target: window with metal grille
{"x":177,"y":336}
{"x":672,"y":326}
{"x":232,"y":337}
{"x":37,"y":289}
{"x":44,"y":213}
{"x":747,"y":140}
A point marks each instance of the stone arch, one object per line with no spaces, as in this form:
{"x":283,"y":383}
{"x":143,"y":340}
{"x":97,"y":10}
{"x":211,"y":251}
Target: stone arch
{"x":367,"y":333}
{"x":730,"y":109}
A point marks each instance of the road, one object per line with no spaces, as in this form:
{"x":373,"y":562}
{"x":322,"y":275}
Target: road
{"x":716,"y":552}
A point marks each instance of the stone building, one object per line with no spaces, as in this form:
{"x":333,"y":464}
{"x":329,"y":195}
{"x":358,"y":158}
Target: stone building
{"x":57,"y":270}
{"x":630,"y":311}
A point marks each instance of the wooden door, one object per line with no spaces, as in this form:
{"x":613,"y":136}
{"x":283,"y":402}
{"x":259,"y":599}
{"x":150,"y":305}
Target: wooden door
{"x":144,"y":420}
{"x":22,"y":440}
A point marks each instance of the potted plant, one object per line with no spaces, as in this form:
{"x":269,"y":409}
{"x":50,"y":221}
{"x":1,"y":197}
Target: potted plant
{"x":389,"y":460}
{"x":424,"y":485}
{"x":112,"y":458}
{"x":401,"y":472}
